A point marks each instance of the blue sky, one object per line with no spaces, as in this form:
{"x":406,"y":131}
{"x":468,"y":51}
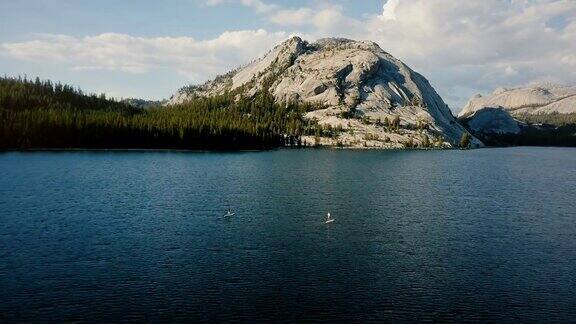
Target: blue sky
{"x":143,"y":48}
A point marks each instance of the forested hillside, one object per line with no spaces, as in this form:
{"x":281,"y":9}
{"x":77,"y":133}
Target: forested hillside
{"x":42,"y":114}
{"x":552,"y":129}
{"x":554,"y":119}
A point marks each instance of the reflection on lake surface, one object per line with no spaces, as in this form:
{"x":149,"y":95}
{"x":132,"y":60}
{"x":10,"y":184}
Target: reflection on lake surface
{"x":443,"y":235}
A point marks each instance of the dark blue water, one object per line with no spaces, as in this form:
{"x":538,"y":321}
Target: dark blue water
{"x":487,"y":235}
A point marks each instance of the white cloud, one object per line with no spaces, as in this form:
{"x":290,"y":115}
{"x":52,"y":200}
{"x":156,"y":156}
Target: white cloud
{"x":323,"y":15}
{"x":119,"y":52}
{"x":258,"y":5}
{"x":324,"y":20}
{"x":297,"y":17}
{"x":509,"y":70}
{"x":389,"y":10}
{"x":569,"y":59}
{"x":333,"y":20}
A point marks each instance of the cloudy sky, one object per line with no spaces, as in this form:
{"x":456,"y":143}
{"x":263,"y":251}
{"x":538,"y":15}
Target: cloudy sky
{"x":149,"y":48}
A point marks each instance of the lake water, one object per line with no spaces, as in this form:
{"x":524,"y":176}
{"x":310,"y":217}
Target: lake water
{"x":487,"y":235}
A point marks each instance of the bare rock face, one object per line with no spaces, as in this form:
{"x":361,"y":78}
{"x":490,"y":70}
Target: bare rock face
{"x":357,"y":87}
{"x":540,"y":99}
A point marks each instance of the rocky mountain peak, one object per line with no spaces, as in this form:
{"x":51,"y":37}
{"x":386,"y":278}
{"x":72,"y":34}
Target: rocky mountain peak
{"x":356,"y":85}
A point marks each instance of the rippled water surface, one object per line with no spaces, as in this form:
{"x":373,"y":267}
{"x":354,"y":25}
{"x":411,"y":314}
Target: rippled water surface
{"x":446,"y":235}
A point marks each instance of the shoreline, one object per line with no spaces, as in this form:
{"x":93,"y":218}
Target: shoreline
{"x":332,"y":148}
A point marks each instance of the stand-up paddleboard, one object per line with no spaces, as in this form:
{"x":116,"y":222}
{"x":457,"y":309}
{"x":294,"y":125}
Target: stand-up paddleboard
{"x":329,"y":219}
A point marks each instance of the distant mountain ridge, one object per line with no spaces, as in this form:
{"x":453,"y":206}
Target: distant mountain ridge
{"x":357,"y":88}
{"x":143,"y":103}
{"x":531,"y":100}
{"x":543,"y":114}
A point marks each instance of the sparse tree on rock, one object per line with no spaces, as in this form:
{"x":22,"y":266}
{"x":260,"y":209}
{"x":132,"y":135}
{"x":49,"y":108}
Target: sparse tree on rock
{"x":465,"y":141}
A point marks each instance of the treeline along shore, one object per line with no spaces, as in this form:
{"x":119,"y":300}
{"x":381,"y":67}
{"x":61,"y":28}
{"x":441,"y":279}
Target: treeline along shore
{"x":37,"y":114}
